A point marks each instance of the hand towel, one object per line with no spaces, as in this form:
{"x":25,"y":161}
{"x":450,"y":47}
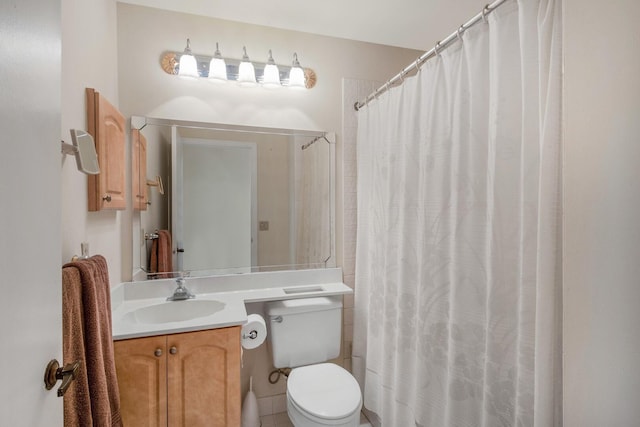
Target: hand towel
{"x":87,"y":336}
{"x":77,"y":402}
{"x":161,"y":255}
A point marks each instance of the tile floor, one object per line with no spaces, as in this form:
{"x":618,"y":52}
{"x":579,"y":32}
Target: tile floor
{"x":276,"y":420}
{"x":282,"y":420}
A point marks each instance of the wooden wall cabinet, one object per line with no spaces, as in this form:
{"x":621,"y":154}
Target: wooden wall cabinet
{"x":180,"y":380}
{"x":106,"y":124}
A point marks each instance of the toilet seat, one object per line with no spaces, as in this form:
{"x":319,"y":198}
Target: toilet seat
{"x":324,"y":392}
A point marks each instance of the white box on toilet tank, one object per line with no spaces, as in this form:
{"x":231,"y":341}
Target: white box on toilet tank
{"x":304,"y":331}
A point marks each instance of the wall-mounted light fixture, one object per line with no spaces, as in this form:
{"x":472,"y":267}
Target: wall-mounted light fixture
{"x":244,"y":72}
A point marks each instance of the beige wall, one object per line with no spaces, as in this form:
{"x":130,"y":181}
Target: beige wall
{"x":273,"y":200}
{"x":273,"y":152}
{"x":145,"y":33}
{"x":602,"y":213}
{"x":89,"y":59}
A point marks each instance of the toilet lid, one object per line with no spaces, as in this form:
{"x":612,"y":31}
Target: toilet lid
{"x":324,"y":390}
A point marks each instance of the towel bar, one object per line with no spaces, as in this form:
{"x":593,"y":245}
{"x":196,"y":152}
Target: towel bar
{"x":156,"y":183}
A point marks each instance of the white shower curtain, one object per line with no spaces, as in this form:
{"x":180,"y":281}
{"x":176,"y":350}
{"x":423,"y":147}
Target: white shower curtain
{"x":458,"y":273}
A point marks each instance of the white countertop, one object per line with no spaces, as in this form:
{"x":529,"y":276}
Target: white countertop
{"x":232,"y":290}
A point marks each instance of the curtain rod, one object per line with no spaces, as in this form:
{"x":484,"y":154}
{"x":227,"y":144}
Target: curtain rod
{"x":435,"y":51}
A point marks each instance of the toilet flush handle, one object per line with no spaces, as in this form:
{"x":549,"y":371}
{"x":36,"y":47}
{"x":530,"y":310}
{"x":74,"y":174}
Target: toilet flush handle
{"x":276,"y":319}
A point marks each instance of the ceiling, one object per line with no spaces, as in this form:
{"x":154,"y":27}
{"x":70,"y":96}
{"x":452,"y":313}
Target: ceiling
{"x":415,"y":24}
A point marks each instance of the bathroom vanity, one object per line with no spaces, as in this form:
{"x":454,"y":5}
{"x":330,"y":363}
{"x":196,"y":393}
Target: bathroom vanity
{"x":188,"y":379}
{"x":178,"y":362}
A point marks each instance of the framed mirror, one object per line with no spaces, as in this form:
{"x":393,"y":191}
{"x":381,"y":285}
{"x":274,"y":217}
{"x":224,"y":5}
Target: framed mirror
{"x":236,"y":199}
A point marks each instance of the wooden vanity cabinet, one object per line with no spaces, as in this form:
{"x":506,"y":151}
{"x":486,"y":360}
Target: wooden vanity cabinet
{"x":141,"y":367}
{"x":180,"y":380}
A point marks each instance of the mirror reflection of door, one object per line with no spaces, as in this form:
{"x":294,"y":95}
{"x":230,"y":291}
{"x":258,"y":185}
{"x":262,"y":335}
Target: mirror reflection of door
{"x":215,"y":212}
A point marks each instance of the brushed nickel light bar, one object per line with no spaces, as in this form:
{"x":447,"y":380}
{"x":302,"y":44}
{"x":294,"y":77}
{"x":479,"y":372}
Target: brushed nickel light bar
{"x":245,"y":72}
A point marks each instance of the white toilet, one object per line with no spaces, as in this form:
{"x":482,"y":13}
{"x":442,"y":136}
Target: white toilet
{"x":304,"y":333}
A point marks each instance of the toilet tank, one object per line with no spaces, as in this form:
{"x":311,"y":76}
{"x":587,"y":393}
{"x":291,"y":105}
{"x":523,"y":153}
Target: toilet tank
{"x":304,"y":331}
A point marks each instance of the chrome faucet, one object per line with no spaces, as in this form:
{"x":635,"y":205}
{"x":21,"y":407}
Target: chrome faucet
{"x":181,"y":293}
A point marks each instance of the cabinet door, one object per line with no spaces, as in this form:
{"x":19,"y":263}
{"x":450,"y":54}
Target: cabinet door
{"x":141,"y":367}
{"x":204,"y":378}
{"x":106,"y":124}
{"x":139,"y":170}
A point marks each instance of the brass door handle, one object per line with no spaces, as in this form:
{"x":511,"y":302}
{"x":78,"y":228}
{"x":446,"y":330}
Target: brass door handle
{"x":107,"y":198}
{"x":67,"y":374}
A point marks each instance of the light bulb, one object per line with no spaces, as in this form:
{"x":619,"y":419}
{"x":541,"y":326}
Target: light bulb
{"x":246,"y":72}
{"x":217,"y":68}
{"x":271,"y":77}
{"x":296,"y":75}
{"x":188,"y":64}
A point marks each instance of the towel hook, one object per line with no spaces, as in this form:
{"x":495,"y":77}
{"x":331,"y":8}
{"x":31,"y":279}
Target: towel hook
{"x":156,"y":183}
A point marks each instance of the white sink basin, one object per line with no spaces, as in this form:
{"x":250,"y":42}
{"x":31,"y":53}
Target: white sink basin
{"x":175,"y":311}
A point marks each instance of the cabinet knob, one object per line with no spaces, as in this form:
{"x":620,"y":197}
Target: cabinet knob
{"x":158,"y":352}
{"x":173,"y":350}
{"x":107,"y":198}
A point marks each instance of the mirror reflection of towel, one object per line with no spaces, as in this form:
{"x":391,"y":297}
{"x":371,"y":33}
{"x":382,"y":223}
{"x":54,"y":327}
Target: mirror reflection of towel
{"x":161,"y":256}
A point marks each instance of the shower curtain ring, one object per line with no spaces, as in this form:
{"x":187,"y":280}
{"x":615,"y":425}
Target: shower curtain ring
{"x":418,"y":65}
{"x":435,"y":48}
{"x":459,"y":32}
{"x":485,"y":10}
